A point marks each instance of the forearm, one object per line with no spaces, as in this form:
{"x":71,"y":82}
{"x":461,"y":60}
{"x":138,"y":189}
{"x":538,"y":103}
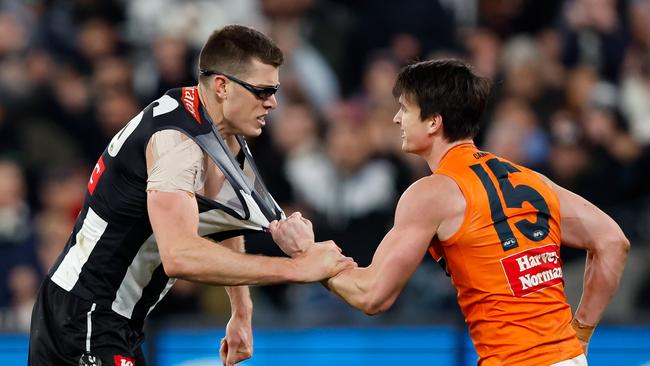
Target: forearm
{"x":375,"y":288}
{"x":240,"y":299}
{"x":355,"y":286}
{"x":603,"y":271}
{"x":200,"y":260}
{"x":184,"y":254}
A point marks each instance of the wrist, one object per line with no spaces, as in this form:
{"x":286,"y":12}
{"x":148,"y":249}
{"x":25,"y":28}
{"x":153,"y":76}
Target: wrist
{"x":297,"y":253}
{"x":302,"y":248}
{"x":583,"y":331}
{"x":242,"y":311}
{"x":326,"y":283}
{"x":294,"y":272}
{"x":240,"y":300}
{"x":242,"y":315}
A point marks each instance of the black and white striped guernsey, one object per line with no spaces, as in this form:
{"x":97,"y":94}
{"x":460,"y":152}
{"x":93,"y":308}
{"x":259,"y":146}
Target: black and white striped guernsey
{"x":111,"y":257}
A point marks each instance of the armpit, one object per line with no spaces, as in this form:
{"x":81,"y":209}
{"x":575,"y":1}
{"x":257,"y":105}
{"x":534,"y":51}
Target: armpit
{"x":174,"y":163}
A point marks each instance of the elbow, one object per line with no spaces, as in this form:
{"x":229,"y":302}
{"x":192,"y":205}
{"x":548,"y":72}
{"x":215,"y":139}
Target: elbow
{"x":625,"y":245}
{"x":372,"y":310}
{"x":615,"y":246}
{"x":372,"y":305}
{"x":620,"y":244}
{"x":375,"y":296}
{"x":173,"y":269}
{"x":174,"y":265}
{"x":178,"y":261}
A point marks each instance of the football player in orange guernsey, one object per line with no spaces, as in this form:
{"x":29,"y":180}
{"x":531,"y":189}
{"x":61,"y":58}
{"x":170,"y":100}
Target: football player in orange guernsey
{"x":496,"y":226}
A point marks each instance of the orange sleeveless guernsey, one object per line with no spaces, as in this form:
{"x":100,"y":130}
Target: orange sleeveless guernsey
{"x":504,"y":261}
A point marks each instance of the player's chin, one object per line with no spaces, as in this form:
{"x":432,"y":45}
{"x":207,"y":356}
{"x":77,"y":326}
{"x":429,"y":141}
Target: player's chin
{"x":409,"y":149}
{"x":255,"y":132}
{"x":252,"y":131}
{"x":405,"y":147}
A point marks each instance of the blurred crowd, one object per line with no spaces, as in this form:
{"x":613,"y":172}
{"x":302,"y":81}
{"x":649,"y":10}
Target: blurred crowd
{"x":571,"y":99}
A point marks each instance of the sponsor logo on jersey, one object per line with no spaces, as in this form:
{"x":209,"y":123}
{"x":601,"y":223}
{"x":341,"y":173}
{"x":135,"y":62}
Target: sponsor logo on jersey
{"x":88,"y":359}
{"x":533,"y":270}
{"x":98,"y":170}
{"x":190,"y":99}
{"x":123,"y":361}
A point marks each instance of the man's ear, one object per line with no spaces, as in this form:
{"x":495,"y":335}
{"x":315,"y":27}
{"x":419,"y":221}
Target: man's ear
{"x":434,"y":123}
{"x":218,"y":86}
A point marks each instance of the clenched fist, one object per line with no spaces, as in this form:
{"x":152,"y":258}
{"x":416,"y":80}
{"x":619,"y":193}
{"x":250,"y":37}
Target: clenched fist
{"x":293,"y":235}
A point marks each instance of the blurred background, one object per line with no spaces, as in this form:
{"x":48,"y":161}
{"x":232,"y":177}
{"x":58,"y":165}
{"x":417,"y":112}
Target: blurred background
{"x":571,"y":99}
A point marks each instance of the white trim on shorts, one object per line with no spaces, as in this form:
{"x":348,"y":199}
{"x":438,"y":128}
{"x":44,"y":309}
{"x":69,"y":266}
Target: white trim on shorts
{"x":89,"y":325}
{"x":576,"y":361}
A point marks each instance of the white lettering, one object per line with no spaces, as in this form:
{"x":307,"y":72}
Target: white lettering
{"x":166,"y":104}
{"x":95,"y":171}
{"x":525,"y":282}
{"x":530,"y":261}
{"x":119,"y":139}
{"x":188,"y":101}
{"x":509,"y":242}
{"x":524,"y":263}
{"x":533,"y":280}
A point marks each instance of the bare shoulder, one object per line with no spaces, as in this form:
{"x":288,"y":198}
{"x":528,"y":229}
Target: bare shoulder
{"x":546,"y":180}
{"x":435,"y":196}
{"x":434,"y":186}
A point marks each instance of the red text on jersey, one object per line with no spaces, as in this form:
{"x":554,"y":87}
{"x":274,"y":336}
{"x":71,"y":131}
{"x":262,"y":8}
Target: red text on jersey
{"x":98,"y":170}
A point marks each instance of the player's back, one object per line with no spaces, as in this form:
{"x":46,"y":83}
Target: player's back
{"x":504,"y":261}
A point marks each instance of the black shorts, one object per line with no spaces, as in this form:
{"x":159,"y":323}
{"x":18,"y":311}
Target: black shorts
{"x":66,"y":328}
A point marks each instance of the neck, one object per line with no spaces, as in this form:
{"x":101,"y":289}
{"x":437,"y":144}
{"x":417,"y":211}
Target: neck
{"x":439,"y":149}
{"x":215,"y":111}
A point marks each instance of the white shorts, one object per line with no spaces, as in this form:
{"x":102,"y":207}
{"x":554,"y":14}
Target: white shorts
{"x":576,"y":361}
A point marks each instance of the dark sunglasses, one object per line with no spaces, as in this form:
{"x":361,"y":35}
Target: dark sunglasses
{"x":260,"y":92}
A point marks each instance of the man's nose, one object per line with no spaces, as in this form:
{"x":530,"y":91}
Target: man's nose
{"x":271,"y":102}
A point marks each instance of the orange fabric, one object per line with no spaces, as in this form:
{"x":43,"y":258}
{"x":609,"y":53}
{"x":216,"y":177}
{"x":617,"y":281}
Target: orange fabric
{"x":510,"y":285}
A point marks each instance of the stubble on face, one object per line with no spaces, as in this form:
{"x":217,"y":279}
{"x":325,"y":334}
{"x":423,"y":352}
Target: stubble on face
{"x":248,"y":113}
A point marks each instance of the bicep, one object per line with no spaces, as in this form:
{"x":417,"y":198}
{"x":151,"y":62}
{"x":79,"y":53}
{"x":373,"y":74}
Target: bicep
{"x":398,"y":255}
{"x":375,"y":288}
{"x":174,"y":218}
{"x":402,"y":249}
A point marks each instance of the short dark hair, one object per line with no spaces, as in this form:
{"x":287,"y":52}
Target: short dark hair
{"x":231,"y":49}
{"x":449,"y":88}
